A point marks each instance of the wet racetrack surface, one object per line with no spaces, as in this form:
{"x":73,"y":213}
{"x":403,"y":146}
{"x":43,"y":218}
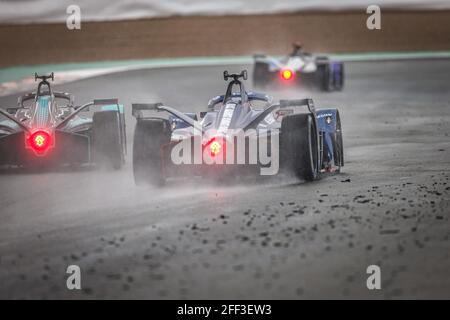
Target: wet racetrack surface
{"x":271,"y":239}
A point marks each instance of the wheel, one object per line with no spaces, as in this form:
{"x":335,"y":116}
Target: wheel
{"x":149,"y":137}
{"x":338,"y":146}
{"x":107,"y":145}
{"x":325,"y":77}
{"x":338,"y":75}
{"x":260,"y":75}
{"x":299,"y":146}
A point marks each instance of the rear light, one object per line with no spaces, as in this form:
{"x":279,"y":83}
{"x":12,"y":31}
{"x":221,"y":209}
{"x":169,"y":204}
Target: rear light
{"x":40,"y":141}
{"x":286,"y":74}
{"x":215,"y":148}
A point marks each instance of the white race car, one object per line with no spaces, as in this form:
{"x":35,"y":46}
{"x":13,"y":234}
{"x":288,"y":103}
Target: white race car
{"x":301,"y":68}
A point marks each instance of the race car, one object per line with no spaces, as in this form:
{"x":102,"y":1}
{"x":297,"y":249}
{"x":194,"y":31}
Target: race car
{"x":241,"y":132}
{"x":46,"y":128}
{"x":300,"y":68}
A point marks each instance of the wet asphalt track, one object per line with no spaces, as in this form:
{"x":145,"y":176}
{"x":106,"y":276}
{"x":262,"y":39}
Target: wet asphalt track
{"x":271,"y":239}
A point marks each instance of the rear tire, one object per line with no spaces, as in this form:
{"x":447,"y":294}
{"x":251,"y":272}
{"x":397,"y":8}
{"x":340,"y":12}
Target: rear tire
{"x":338,"y":75}
{"x":149,"y":136}
{"x":325,"y":77}
{"x":106,"y":139}
{"x":338,"y":145}
{"x":299,"y":146}
{"x":260,"y":75}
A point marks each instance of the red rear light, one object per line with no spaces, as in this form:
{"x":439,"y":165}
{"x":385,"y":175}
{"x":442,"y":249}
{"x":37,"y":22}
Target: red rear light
{"x":286,"y":74}
{"x":40,"y":141}
{"x":215,"y":148}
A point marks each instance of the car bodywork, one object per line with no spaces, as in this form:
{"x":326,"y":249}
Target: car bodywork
{"x":299,"y":67}
{"x":47,"y":128}
{"x":253,"y":113}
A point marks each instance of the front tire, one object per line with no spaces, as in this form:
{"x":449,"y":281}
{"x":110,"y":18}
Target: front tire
{"x":299,"y":146}
{"x":148,"y":160}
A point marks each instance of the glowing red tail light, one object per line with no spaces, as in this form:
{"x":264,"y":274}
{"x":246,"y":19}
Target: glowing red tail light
{"x":215,"y":148}
{"x":286,"y":74}
{"x":40,"y":141}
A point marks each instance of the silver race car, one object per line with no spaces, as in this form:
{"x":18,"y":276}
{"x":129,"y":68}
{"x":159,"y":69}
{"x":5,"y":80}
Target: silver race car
{"x":241,"y":133}
{"x":46,"y":128}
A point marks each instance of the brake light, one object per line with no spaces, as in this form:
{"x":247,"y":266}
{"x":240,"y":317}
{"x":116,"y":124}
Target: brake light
{"x":215,"y":148}
{"x":286,"y":74}
{"x":40,"y":141}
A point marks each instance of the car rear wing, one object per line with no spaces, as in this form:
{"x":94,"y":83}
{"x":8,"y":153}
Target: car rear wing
{"x":102,"y":102}
{"x":299,"y":103}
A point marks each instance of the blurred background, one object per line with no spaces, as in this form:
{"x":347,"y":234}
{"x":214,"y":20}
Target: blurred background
{"x":35,"y":31}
